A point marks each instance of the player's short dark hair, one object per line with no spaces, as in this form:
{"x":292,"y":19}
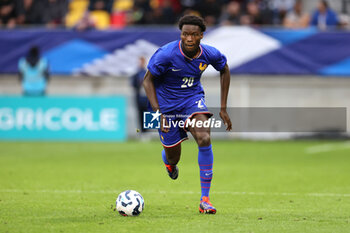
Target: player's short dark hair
{"x":192,"y":20}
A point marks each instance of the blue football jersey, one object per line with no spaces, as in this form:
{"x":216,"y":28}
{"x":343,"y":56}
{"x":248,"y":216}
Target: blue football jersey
{"x":178,"y":77}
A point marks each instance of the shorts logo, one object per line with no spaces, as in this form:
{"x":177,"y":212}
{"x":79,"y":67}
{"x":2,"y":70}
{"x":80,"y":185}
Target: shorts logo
{"x":201,"y":103}
{"x":151,"y":120}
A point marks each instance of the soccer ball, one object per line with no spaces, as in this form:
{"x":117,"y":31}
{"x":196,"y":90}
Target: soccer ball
{"x":130,"y":203}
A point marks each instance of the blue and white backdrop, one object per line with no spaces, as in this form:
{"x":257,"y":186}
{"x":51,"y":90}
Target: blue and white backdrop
{"x":249,"y":51}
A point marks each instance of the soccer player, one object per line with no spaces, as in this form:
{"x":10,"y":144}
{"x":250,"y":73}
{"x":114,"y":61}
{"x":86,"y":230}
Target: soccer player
{"x":172,"y":84}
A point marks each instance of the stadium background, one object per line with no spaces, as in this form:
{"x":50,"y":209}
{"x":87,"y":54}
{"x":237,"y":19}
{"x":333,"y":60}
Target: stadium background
{"x":91,"y":65}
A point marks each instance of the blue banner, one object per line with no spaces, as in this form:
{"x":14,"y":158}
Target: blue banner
{"x":63,"y":118}
{"x":248,"y":50}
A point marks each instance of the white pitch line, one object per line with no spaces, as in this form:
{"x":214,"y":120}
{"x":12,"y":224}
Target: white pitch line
{"x":327,"y":147}
{"x":172,"y":192}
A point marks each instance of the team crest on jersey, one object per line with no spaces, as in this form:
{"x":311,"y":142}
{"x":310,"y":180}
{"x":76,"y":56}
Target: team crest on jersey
{"x":202,"y":67}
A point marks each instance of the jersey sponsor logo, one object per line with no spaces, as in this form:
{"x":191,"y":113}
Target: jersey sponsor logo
{"x":202,"y":67}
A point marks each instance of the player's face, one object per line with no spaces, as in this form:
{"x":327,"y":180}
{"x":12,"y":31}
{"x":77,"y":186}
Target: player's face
{"x":191,"y":36}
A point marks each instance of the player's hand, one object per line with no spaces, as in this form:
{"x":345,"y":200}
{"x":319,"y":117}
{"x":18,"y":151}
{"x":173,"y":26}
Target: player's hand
{"x":164,"y":125}
{"x":226,"y":118}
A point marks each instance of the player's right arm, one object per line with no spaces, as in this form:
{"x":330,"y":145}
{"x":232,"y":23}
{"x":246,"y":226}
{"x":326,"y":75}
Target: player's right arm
{"x":152,"y":98}
{"x":150,"y":90}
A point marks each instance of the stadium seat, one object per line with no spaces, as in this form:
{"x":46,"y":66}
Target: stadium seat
{"x":76,"y":11}
{"x":101,"y":18}
{"x":118,"y":19}
{"x":123,"y":5}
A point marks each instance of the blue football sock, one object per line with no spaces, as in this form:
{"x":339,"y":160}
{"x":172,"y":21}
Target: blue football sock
{"x":164,"y":157}
{"x":205,"y":161}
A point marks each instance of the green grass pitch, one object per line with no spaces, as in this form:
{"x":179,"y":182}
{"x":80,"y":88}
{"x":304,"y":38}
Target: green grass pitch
{"x":280,"y":186}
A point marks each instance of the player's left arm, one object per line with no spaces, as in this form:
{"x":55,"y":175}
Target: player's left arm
{"x":225,"y":86}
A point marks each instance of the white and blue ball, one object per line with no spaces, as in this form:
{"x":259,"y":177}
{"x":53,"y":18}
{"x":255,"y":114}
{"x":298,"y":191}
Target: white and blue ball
{"x":130,"y":203}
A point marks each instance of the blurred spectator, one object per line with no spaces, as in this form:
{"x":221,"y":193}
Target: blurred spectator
{"x":85,"y":23}
{"x":190,"y":12}
{"x":140,"y":94}
{"x":188,"y":4}
{"x":254,"y":16}
{"x":55,"y":12}
{"x":296,"y":18}
{"x":280,"y":9}
{"x":266,"y":11}
{"x":223,"y":12}
{"x":142,"y":12}
{"x":7,"y":13}
{"x":210,"y":10}
{"x":30,"y":11}
{"x":33,"y":73}
{"x":231,"y":14}
{"x":101,"y":5}
{"x":324,"y":17}
{"x":175,"y":5}
{"x":163,"y":14}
